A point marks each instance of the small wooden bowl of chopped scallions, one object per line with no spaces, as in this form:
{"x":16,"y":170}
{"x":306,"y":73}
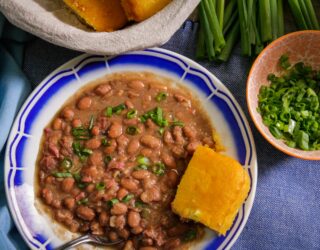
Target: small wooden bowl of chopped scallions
{"x":289,"y":106}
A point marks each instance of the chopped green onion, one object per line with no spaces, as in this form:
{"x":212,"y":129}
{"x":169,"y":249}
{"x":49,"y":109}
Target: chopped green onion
{"x":284,"y":61}
{"x":62,"y":175}
{"x":143,"y":160}
{"x":77,"y":177}
{"x":104,"y":141}
{"x":86,"y":152}
{"x":83,"y":201}
{"x":161,"y":131}
{"x":132,"y":113}
{"x":118,"y":109}
{"x":156,"y":115}
{"x":81,"y":133}
{"x":141,"y":167}
{"x":112,"y":202}
{"x":100,"y":186}
{"x":140,"y":204}
{"x":159,"y":169}
{"x":161,"y":96}
{"x":66,"y":163}
{"x":132,"y":130}
{"x":189,"y":235}
{"x":107,"y":159}
{"x":127,"y":198}
{"x":177,"y":123}
{"x":108,"y":112}
{"x":91,"y":122}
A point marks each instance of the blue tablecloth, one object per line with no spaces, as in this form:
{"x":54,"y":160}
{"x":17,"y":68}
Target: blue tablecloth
{"x":286,"y":210}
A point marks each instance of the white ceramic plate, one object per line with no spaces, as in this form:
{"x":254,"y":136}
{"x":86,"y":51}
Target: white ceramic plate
{"x":50,"y":20}
{"x":35,"y":226}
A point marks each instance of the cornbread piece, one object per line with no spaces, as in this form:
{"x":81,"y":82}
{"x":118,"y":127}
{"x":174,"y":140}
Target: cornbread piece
{"x":212,"y":190}
{"x":102,"y":15}
{"x":139,"y":10}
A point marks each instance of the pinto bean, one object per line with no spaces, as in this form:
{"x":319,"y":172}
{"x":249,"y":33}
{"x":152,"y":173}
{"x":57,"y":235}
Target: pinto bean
{"x":177,"y":134}
{"x":131,"y":122}
{"x":56,"y":203}
{"x":122,"y":142}
{"x":178,"y":152}
{"x":151,"y":194}
{"x":129,"y":104}
{"x":84,"y":103}
{"x":113,"y":236}
{"x":85,"y":213}
{"x":67,"y":184}
{"x":129,"y":184}
{"x":148,"y":248}
{"x":47,"y":195}
{"x":93,"y":143}
{"x":129,"y":245}
{"x":111,"y":148}
{"x":102,"y":89}
{"x":149,"y":182}
{"x":133,"y":219}
{"x":57,"y":124}
{"x":137,"y":230}
{"x":123,"y":233}
{"x":133,"y":146}
{"x":172,"y":244}
{"x":103,"y":218}
{"x":96,"y":228}
{"x":69,"y":203}
{"x":96,"y":158}
{"x":140,"y":174}
{"x":119,"y":209}
{"x":76,"y":123}
{"x":191,"y":147}
{"x":172,"y":180}
{"x":67,"y":113}
{"x":147,"y":242}
{"x":53,"y":150}
{"x":167,"y":137}
{"x":168,"y":160}
{"x":189,"y":132}
{"x":146,"y":152}
{"x":122,"y":192}
{"x":117,"y":221}
{"x":95,"y":130}
{"x":115,"y":130}
{"x":150,"y":141}
{"x":132,"y":94}
{"x":136,"y":85}
{"x":63,"y":215}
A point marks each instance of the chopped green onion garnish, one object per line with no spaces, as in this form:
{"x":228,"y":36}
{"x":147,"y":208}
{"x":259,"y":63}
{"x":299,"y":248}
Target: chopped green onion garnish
{"x":156,"y":115}
{"x":161,"y":131}
{"x":161,"y":96}
{"x":86,"y":152}
{"x":141,"y":167}
{"x":132,"y":130}
{"x":83,"y":201}
{"x":81,"y":133}
{"x":108,"y":112}
{"x":91,"y":123}
{"x":66,"y":163}
{"x":62,"y":175}
{"x":189,"y":235}
{"x":104,"y":141}
{"x":284,"y":61}
{"x":177,"y":123}
{"x":112,"y":202}
{"x":77,"y":177}
{"x":107,"y":159}
{"x":159,"y":169}
{"x":139,"y":204}
{"x":100,"y":186}
{"x":132,"y":113}
{"x":127,"y":198}
{"x":142,"y":160}
{"x":117,"y":109}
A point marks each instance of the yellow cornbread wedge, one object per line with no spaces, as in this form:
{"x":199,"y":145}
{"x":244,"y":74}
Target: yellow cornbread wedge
{"x":139,"y":10}
{"x":102,"y":15}
{"x":212,"y":190}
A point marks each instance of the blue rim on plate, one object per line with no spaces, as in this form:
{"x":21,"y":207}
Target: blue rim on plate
{"x":46,"y":99}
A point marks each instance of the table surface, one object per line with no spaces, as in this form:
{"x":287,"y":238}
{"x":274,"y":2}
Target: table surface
{"x":286,"y":210}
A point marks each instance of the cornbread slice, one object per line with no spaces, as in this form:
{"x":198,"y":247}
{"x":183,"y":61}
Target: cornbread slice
{"x":102,"y":15}
{"x":139,"y":10}
{"x":212,"y":190}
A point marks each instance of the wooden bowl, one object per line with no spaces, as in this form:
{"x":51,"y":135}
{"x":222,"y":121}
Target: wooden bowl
{"x":300,"y":46}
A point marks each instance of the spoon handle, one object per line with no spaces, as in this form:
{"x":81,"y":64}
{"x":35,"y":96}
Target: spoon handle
{"x":82,"y":239}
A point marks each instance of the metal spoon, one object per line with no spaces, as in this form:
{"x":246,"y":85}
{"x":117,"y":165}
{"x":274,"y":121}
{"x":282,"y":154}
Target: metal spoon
{"x":89,"y":238}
